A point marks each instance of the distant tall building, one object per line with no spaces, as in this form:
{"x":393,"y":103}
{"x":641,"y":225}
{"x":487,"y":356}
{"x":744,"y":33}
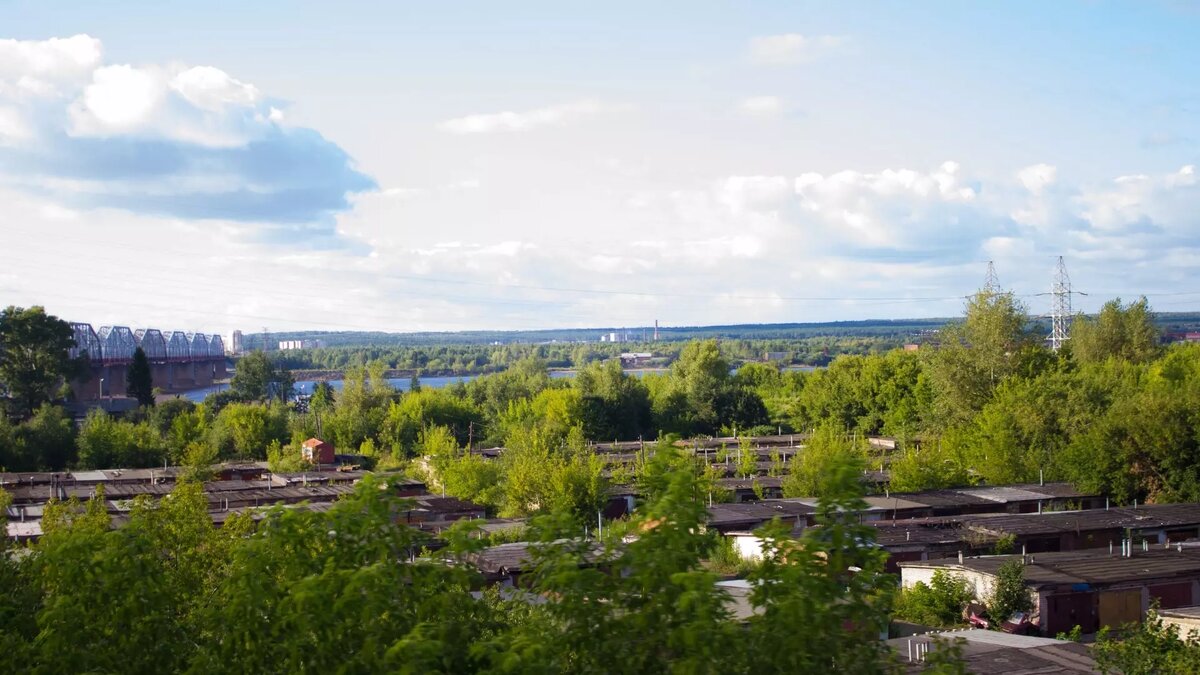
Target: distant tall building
{"x":235,"y":344}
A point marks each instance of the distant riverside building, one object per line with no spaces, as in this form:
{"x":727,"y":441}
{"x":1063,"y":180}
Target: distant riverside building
{"x":285,"y":345}
{"x":636,"y":358}
{"x":777,"y":356}
{"x":616,"y":337}
{"x":235,"y":343}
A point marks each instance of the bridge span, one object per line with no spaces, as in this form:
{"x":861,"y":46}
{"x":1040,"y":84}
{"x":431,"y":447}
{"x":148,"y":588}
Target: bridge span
{"x":178,"y":361}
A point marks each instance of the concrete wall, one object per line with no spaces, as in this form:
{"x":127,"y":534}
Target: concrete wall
{"x":982,"y":583}
{"x":1188,"y":626}
{"x":748,"y":546}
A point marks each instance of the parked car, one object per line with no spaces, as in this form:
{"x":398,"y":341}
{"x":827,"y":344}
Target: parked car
{"x":1020,"y":623}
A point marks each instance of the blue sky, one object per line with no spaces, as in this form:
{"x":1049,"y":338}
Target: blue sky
{"x":429,"y":166}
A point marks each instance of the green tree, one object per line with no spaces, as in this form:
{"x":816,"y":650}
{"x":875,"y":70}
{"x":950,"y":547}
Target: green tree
{"x":473,"y":478}
{"x":1009,"y":593}
{"x":702,"y":375}
{"x":323,"y":397}
{"x":403,"y":422}
{"x":1147,"y":648}
{"x":49,"y":438}
{"x":812,"y":467}
{"x":829,"y":576}
{"x":246,"y":429}
{"x":337,"y":590}
{"x":974,"y":356}
{"x":747,"y":458}
{"x":930,"y":466}
{"x":138,"y":382}
{"x":1125,"y":332}
{"x":34,"y":363}
{"x":257,"y":378}
{"x":613,"y":405}
{"x":108,"y":443}
{"x":163,"y":416}
{"x":1143,"y":445}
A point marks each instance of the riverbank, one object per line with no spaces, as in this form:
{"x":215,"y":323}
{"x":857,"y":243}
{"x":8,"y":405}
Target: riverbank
{"x":310,"y":375}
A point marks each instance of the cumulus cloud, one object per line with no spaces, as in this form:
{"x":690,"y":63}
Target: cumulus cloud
{"x":508,"y":121}
{"x":37,"y":67}
{"x":901,"y":209}
{"x":791,"y":48}
{"x":762,"y":106}
{"x":1037,"y":177}
{"x":178,"y":140}
{"x":1166,"y":202}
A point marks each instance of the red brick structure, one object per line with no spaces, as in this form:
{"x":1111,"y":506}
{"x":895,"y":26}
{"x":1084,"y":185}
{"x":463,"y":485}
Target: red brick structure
{"x":317,"y":451}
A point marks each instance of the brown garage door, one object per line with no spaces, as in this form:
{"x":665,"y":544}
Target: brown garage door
{"x":1118,"y":608}
{"x":1170,"y":596}
{"x":1067,"y":610}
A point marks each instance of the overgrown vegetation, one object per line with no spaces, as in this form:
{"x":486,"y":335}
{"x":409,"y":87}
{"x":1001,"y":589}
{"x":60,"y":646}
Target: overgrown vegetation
{"x":1009,"y":594}
{"x":938,"y":604}
{"x":1147,"y":648}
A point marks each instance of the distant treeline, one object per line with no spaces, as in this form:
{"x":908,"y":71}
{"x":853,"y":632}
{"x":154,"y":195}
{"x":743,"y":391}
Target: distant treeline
{"x":891,"y":331}
{"x":895,"y":330}
{"x":462,"y":359}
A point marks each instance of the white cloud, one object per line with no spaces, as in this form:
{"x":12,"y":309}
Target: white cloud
{"x":202,"y":105}
{"x":171,"y":139}
{"x":212,"y":89}
{"x":762,"y":106}
{"x":37,"y":67}
{"x":791,"y":48}
{"x":1037,"y":177}
{"x":899,"y":208}
{"x":1168,"y":202}
{"x":13,"y":127}
{"x":119,"y":100}
{"x":754,"y":193}
{"x":508,"y":121}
